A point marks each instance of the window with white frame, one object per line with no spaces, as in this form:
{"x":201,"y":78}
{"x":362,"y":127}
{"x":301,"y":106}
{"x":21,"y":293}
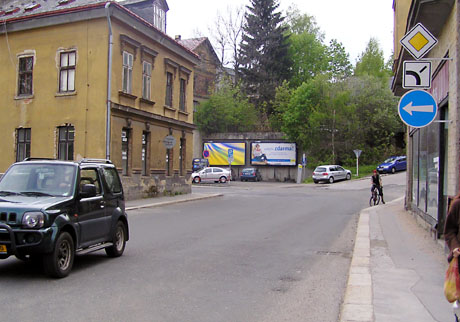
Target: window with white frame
{"x":146,"y":77}
{"x":67,"y":71}
{"x":159,"y":17}
{"x":25,"y":75}
{"x":127,"y":72}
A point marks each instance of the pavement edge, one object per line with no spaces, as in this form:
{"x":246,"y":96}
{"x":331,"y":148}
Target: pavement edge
{"x":170,"y":202}
{"x":357,"y":305}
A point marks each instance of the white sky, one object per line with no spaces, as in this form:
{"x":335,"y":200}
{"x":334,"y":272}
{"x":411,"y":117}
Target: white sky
{"x":351,"y":22}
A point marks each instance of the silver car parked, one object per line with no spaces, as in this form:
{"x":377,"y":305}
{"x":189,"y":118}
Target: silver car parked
{"x":211,"y":174}
{"x":330,"y":173}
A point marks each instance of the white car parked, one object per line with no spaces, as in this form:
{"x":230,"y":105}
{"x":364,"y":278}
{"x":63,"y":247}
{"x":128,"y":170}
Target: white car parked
{"x":211,"y":174}
{"x":330,"y":173}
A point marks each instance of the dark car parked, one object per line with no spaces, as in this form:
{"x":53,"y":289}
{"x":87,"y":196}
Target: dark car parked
{"x":250,"y":174}
{"x":51,"y":210}
{"x":393,"y":164}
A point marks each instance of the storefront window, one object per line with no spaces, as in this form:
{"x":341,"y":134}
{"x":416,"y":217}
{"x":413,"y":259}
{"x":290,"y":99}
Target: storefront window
{"x":422,"y":168}
{"x":433,"y":169}
{"x":415,"y":145}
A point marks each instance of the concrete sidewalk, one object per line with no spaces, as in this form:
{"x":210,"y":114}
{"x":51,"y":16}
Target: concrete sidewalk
{"x":397,"y":270}
{"x":167,"y":200}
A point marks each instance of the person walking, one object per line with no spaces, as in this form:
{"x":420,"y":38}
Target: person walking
{"x":452,"y":238}
{"x":376,"y":181}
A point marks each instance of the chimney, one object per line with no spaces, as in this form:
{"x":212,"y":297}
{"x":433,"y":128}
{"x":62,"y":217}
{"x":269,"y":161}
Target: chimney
{"x":178,"y":37}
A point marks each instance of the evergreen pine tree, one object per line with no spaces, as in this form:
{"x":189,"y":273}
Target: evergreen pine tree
{"x":264,"y":60}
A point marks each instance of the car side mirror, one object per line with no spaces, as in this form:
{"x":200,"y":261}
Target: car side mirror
{"x":88,"y":191}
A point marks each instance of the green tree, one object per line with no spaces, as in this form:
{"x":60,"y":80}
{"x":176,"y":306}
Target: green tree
{"x":227,"y":110}
{"x":372,"y":62}
{"x":331,"y":119}
{"x":377,"y":122}
{"x":264,"y":62}
{"x":339,"y":65}
{"x":307,"y":52}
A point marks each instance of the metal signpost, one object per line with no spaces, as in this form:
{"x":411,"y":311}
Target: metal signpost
{"x":230,"y":160}
{"x":416,"y":74}
{"x":418,"y":41}
{"x":169,"y":141}
{"x":357,"y":153}
{"x":417,"y":108}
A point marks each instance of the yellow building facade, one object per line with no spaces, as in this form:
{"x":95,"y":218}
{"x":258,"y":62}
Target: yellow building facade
{"x":89,"y":79}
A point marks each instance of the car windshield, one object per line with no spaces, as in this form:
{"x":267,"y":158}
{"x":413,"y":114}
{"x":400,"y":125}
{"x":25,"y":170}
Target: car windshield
{"x":320,"y":169}
{"x":250,"y":170}
{"x":389,"y":160}
{"x":39,"y":180}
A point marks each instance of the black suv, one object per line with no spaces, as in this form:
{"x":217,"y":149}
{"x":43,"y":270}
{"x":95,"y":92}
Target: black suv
{"x":51,"y":210}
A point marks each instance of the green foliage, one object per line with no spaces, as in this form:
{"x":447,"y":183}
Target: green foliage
{"x":263,"y":58}
{"x":330,"y":120}
{"x":372,"y":63}
{"x":339,"y":66}
{"x":309,"y":55}
{"x":306,"y":50}
{"x":226,"y":111}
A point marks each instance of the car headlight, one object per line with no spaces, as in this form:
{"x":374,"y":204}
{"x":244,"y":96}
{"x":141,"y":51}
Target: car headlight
{"x":33,"y":220}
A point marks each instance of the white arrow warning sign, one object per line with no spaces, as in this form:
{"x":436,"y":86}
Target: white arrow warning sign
{"x":417,"y":108}
{"x":409,"y":108}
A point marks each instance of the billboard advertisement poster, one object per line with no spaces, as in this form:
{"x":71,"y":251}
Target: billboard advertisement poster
{"x":218,"y":152}
{"x":264,"y":153}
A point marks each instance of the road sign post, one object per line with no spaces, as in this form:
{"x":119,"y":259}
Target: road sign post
{"x":230,"y":160}
{"x":416,"y":74}
{"x":417,"y":108}
{"x":169,"y":141}
{"x":357,"y":153}
{"x":418,"y":41}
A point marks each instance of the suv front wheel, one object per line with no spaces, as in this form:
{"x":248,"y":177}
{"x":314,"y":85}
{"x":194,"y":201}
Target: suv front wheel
{"x":119,"y":241}
{"x":59,"y":262}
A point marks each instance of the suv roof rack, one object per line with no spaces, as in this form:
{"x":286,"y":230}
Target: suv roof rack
{"x":37,"y":159}
{"x":88,"y":160}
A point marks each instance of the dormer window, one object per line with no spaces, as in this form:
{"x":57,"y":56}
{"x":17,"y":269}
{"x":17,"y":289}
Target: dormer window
{"x":159,"y":17}
{"x":11,"y":11}
{"x":31,"y":6}
{"x":64,"y":2}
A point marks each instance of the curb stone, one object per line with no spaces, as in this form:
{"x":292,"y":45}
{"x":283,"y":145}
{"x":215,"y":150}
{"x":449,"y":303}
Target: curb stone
{"x":170,"y":202}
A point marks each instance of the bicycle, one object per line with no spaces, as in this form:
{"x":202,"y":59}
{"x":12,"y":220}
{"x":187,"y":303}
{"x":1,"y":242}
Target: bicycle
{"x":375,"y":198}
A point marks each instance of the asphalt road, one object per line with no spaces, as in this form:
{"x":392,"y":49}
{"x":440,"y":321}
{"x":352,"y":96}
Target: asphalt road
{"x":261,"y":252}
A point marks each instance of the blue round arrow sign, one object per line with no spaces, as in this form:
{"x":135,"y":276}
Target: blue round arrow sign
{"x":417,"y":108}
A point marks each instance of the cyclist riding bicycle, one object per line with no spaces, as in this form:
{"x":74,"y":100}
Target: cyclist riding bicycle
{"x":377,"y":183}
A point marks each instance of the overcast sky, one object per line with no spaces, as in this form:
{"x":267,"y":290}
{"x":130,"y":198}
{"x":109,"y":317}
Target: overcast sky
{"x":351,"y":22}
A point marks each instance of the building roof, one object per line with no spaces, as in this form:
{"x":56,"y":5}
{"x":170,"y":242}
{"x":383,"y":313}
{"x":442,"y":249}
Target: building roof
{"x":18,"y":11}
{"x":10,"y":9}
{"x":192,"y":43}
{"x":163,"y":3}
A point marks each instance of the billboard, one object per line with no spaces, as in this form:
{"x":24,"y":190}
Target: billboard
{"x":218,"y":152}
{"x":264,"y":153}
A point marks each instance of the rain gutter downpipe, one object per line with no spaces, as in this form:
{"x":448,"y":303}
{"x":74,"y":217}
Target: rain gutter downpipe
{"x":109,"y":84}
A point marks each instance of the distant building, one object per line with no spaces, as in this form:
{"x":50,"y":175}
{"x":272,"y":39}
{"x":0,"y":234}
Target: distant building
{"x":207,"y":71}
{"x":98,"y":79}
{"x":433,"y":151}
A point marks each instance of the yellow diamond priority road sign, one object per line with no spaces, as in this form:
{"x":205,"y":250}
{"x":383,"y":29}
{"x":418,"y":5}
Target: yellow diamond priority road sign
{"x":418,"y":41}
